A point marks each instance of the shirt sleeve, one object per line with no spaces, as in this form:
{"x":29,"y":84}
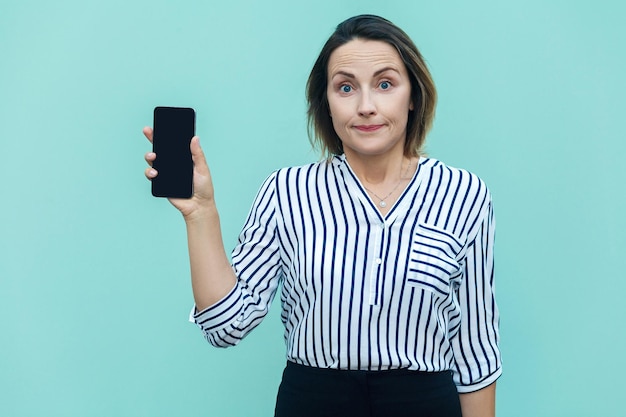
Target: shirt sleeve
{"x":476,"y":344}
{"x":256,"y":262}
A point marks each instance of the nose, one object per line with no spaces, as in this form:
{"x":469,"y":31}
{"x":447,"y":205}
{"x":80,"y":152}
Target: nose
{"x":366,"y":105}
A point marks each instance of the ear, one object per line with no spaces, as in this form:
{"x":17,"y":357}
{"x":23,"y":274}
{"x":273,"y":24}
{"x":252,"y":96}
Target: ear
{"x":411,"y":107}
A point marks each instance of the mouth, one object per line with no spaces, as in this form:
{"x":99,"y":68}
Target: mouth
{"x":368,"y":128}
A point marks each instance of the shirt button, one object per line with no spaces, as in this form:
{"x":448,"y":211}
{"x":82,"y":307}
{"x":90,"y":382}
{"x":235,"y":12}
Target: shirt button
{"x":378,"y":261}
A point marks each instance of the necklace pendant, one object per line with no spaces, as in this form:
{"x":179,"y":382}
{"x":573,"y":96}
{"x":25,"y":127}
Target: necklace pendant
{"x":382,"y":203}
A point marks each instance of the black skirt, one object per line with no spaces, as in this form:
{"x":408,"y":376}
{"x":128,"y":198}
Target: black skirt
{"x":316,"y":392}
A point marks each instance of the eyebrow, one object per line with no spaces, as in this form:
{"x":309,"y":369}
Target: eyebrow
{"x":376,"y":74}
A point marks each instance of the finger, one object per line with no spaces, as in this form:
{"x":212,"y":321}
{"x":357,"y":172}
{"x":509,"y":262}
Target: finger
{"x":150,"y":173}
{"x":150,"y":157}
{"x":147,"y":131}
{"x":197,"y":155}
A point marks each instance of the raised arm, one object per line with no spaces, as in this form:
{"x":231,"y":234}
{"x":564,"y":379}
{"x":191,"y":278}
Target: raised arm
{"x":212,"y":277}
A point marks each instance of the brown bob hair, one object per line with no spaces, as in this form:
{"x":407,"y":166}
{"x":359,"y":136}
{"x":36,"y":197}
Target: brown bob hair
{"x":423,"y":94}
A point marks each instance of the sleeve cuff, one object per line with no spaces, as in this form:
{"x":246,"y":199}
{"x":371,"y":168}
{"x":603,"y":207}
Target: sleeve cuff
{"x":220,"y":314}
{"x":466,"y":389}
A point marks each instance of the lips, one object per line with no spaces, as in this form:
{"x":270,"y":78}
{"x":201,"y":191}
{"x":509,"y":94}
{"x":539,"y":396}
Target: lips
{"x":368,"y":128}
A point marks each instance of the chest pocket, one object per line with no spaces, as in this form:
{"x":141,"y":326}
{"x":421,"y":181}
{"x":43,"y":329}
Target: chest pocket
{"x":432,"y":261}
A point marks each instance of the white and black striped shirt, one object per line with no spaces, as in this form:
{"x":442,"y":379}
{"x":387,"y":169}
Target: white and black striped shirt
{"x":413,"y":289}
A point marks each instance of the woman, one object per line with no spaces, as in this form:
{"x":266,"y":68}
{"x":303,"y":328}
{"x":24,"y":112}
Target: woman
{"x":384,"y":255}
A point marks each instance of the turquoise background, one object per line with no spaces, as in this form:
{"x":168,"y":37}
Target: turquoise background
{"x":94,"y":279}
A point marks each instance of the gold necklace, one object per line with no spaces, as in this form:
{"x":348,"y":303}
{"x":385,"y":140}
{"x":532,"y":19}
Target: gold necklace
{"x":382,"y":201}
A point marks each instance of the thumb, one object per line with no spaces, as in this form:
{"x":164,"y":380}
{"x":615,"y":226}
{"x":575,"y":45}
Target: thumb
{"x":197,"y":155}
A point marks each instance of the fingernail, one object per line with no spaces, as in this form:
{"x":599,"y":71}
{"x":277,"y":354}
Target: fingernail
{"x":153,"y":172}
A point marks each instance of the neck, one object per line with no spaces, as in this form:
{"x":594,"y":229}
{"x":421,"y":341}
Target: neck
{"x":385,"y":180}
{"x":378,"y":170}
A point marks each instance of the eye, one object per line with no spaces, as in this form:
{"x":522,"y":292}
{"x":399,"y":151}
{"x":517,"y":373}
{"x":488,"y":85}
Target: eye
{"x":385,"y":85}
{"x":345,"y":88}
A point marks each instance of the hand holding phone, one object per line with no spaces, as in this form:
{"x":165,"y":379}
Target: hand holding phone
{"x":173,"y":129}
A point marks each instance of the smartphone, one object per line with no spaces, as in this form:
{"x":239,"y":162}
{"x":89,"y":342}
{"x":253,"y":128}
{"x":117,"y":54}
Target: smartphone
{"x":173,"y":129}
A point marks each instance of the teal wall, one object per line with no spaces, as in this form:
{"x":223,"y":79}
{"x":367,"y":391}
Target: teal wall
{"x":94,"y":287}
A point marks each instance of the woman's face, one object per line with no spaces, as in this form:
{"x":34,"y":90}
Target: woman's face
{"x":369,"y":95}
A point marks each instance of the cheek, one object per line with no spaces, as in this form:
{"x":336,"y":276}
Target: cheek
{"x":337,"y":112}
{"x":338,"y":119}
{"x":338,"y":126}
{"x":403,"y":107}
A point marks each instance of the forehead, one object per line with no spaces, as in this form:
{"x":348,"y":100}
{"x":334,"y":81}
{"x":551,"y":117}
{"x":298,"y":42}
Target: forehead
{"x":364,"y":54}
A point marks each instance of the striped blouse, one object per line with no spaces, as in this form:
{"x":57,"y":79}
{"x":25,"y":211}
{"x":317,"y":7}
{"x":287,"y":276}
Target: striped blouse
{"x":413,"y":289}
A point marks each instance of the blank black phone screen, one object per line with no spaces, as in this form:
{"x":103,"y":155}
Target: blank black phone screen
{"x":173,"y":129}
